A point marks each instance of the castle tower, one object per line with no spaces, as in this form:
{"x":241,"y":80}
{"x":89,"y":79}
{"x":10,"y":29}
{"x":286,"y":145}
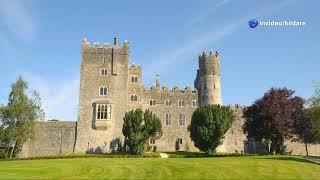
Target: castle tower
{"x":103,"y":95}
{"x":208,"y":81}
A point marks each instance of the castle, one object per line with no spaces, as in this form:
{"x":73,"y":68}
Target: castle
{"x":110,"y":86}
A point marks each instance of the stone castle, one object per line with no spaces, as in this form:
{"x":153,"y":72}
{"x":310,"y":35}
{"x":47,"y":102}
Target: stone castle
{"x":110,"y":86}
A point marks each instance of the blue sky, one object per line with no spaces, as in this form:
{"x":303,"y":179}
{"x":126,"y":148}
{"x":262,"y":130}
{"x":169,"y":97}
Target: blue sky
{"x":40,"y":40}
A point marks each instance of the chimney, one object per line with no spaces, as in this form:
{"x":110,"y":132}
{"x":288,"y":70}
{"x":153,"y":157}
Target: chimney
{"x":115,"y":42}
{"x":158,"y":82}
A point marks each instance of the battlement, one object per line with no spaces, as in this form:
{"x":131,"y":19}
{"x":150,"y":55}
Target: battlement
{"x":96,"y":45}
{"x":134,"y":67}
{"x":176,"y":89}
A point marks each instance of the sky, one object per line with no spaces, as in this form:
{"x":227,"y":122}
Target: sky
{"x":40,"y":40}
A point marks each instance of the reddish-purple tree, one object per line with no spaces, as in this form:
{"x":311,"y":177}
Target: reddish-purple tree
{"x":272,"y":117}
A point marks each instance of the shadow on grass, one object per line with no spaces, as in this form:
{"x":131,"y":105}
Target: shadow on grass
{"x":183,"y":154}
{"x":290,"y":158}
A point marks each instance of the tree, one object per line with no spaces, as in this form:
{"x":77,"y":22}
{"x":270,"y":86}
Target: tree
{"x":19,"y":116}
{"x":138,"y":127}
{"x":209,"y":125}
{"x":314,"y":106}
{"x":272,"y":117}
{"x":304,"y":129}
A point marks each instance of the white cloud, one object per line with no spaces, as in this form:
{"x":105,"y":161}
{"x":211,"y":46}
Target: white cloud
{"x":17,"y":19}
{"x":59,"y":99}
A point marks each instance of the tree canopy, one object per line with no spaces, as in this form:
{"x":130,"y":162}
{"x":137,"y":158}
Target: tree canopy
{"x":209,"y":125}
{"x":273,"y":117}
{"x":18,"y":117}
{"x":138,"y":127}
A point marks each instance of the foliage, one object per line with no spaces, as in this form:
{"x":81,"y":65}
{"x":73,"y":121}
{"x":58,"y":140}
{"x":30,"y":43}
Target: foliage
{"x":314,"y":106}
{"x":272,"y":117}
{"x":74,"y":156}
{"x":181,"y":154}
{"x":138,"y":127}
{"x":19,"y":116}
{"x":209,"y":125}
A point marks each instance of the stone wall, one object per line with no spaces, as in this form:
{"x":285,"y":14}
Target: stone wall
{"x":51,"y":138}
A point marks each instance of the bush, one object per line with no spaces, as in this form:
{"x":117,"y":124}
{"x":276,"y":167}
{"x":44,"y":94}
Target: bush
{"x":203,"y":155}
{"x":74,"y":156}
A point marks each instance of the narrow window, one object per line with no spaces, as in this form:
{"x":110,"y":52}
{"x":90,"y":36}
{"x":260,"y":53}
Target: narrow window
{"x":134,"y":98}
{"x":104,"y":72}
{"x":132,"y":79}
{"x":167,"y":102}
{"x":104,"y":60}
{"x":152,"y":141}
{"x":194,"y":103}
{"x":180,"y":103}
{"x":152,"y":102}
{"x":103,"y":91}
{"x":135,"y":79}
{"x":168,"y":119}
{"x":182,"y":119}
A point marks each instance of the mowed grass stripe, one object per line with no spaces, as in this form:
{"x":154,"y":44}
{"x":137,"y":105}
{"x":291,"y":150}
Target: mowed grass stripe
{"x":253,"y":167}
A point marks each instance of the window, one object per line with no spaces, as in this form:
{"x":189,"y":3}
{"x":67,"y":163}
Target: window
{"x":194,"y":103}
{"x":103,"y":111}
{"x":104,"y":72}
{"x":104,"y":60}
{"x":182,"y":120}
{"x":152,"y":102}
{"x":214,"y":86}
{"x":103,"y":91}
{"x":134,"y":98}
{"x":179,"y":140}
{"x":181,"y":103}
{"x":167,"y":102}
{"x":152,"y":141}
{"x":134,"y":79}
{"x":168,"y":119}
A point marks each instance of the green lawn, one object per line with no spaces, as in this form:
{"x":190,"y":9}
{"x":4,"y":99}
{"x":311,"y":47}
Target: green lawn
{"x":249,"y":167}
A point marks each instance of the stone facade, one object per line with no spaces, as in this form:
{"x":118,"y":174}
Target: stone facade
{"x":110,"y":86}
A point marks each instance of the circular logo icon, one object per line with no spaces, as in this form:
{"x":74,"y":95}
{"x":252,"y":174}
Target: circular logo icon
{"x":253,"y":23}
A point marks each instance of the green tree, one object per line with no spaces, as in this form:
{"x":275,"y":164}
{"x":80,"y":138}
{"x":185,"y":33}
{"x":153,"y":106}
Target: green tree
{"x":314,"y":107}
{"x":19,"y":116}
{"x":208,"y":126}
{"x":138,"y":127}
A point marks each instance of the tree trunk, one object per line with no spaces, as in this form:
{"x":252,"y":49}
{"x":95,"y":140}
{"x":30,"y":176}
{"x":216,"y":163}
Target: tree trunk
{"x":12,"y":150}
{"x":307,"y":153}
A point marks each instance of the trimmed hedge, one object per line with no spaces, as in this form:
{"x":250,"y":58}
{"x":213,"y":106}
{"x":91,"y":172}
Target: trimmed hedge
{"x":73,"y":156}
{"x":203,"y":155}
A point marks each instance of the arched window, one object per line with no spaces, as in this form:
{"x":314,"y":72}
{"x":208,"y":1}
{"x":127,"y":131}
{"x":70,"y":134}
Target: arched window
{"x":134,"y":79}
{"x":182,"y":119}
{"x":103,"y":91}
{"x":134,"y":98}
{"x":104,"y":72}
{"x":181,"y":103}
{"x":152,"y":102}
{"x":103,"y":111}
{"x":194,"y":103}
{"x":167,"y":102}
{"x":168,"y":119}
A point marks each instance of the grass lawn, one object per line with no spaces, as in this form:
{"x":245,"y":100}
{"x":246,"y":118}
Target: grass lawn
{"x":247,"y":167}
